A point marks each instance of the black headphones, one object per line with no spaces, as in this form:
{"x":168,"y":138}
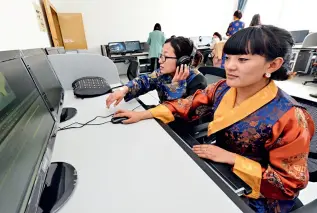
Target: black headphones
{"x":187,"y":59}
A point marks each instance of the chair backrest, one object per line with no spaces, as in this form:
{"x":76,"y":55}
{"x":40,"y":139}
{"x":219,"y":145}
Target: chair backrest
{"x":213,"y":74}
{"x":310,"y":40}
{"x":311,"y":107}
{"x":70,"y":67}
{"x":133,"y":70}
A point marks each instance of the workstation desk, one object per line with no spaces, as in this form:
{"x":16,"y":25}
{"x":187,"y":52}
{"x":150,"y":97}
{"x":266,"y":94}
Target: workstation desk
{"x":135,"y":168}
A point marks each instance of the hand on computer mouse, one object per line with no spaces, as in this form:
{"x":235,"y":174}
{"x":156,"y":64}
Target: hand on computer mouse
{"x":133,"y":117}
{"x":182,"y":73}
{"x":116,"y":97}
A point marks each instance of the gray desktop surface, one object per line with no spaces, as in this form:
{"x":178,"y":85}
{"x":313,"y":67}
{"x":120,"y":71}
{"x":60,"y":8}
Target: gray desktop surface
{"x":132,"y":168}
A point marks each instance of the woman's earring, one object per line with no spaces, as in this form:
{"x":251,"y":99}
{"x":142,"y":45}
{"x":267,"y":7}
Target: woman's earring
{"x":267,"y":75}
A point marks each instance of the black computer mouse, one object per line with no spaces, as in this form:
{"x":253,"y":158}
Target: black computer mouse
{"x":118,"y":120}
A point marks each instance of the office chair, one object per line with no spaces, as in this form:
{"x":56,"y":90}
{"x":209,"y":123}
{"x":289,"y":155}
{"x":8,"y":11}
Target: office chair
{"x":314,"y":70}
{"x":213,"y":74}
{"x":133,"y":70}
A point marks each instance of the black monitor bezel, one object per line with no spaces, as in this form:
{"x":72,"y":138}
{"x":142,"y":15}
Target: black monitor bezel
{"x":117,"y":53}
{"x":35,"y":52}
{"x":140,"y":49}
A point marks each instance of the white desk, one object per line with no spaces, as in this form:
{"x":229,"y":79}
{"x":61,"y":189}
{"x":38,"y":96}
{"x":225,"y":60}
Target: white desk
{"x":132,"y":168}
{"x":297,"y":89}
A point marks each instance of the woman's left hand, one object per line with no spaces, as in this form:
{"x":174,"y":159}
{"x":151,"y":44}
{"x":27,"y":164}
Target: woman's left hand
{"x":215,"y":153}
{"x":181,"y":73}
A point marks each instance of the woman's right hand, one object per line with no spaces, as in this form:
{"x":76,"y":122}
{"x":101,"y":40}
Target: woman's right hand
{"x":116,"y":97}
{"x":133,"y":117}
{"x":181,"y":73}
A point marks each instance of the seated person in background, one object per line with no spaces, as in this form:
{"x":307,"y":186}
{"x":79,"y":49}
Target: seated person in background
{"x":236,"y":25}
{"x":215,"y":39}
{"x":217,"y":54}
{"x":261,"y":131}
{"x":198,"y":58}
{"x":171,"y":81}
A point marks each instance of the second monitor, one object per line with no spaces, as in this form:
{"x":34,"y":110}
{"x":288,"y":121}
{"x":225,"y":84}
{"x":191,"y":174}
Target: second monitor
{"x":124,"y":47}
{"x":47,"y":82}
{"x":132,"y":46}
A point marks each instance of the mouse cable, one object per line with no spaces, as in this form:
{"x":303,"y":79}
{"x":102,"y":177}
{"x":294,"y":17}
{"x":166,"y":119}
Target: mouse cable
{"x":88,"y":123}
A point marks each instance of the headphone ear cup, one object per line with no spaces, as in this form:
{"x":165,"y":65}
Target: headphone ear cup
{"x":183,"y":60}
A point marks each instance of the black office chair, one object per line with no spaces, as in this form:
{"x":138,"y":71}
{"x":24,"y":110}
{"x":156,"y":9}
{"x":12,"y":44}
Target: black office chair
{"x":133,"y":70}
{"x":314,"y":70}
{"x":213,"y":74}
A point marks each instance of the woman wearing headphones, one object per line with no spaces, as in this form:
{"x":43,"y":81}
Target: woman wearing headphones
{"x":173,"y":80}
{"x":261,"y":132}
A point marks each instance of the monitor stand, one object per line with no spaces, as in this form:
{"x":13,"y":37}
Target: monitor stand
{"x":67,"y":113}
{"x":59,"y":184}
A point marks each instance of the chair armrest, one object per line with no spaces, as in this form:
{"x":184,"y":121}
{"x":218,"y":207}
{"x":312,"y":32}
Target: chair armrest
{"x":200,"y":128}
{"x":308,"y":208}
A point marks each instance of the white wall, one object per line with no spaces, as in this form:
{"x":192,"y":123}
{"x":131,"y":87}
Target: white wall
{"x":116,"y":20}
{"x":20,"y":29}
{"x":288,"y":14}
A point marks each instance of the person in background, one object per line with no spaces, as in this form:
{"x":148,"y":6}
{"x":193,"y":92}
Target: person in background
{"x":217,"y":54}
{"x":236,"y":25}
{"x":262,"y":132}
{"x":170,"y":80}
{"x":156,"y":40}
{"x":256,"y":20}
{"x":197,"y":59}
{"x":215,"y":39}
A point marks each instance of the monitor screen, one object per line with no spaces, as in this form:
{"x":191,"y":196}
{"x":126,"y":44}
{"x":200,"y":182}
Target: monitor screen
{"x":25,"y":127}
{"x":46,"y":79}
{"x":132,"y":46}
{"x":117,"y":47}
{"x":299,"y":35}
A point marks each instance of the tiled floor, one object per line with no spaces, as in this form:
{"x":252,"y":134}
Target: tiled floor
{"x":293,"y":87}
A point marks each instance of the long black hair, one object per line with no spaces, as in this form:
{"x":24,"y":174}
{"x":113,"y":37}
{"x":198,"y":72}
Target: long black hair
{"x":265,"y":40}
{"x":158,"y":27}
{"x":255,"y":20}
{"x":218,"y":35}
{"x":184,"y":47}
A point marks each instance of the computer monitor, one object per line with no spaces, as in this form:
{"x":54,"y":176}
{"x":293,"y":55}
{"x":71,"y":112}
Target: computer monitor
{"x":145,"y":47}
{"x":299,"y":35}
{"x":45,"y":79}
{"x":54,"y":50}
{"x":26,"y":127}
{"x":9,"y":55}
{"x":117,"y":47}
{"x":132,"y":46}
